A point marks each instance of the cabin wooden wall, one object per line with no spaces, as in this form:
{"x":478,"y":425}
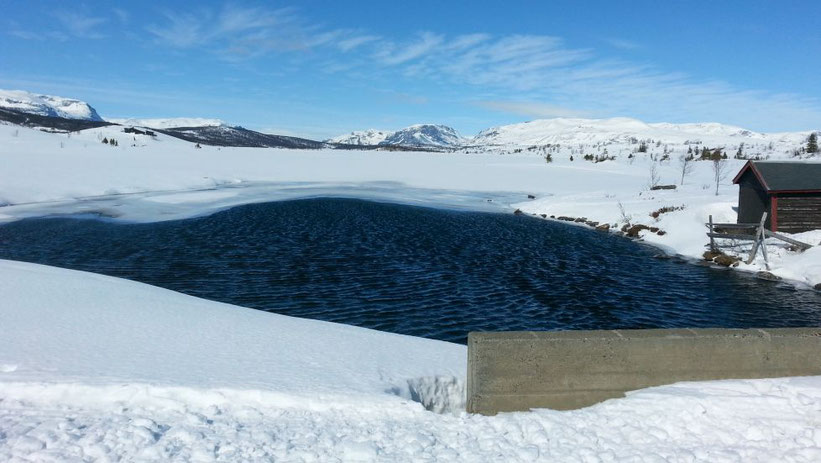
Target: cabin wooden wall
{"x":798,"y":212}
{"x":752,"y":200}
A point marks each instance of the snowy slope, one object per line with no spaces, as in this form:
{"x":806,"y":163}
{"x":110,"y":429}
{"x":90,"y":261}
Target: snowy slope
{"x":94,"y":368}
{"x":47,"y":105}
{"x":362,"y":137}
{"x":169,"y":123}
{"x":571,"y":131}
{"x":174,"y":339}
{"x":425,"y":135}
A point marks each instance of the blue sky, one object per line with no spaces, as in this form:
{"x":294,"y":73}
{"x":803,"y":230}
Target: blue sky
{"x":321,"y":68}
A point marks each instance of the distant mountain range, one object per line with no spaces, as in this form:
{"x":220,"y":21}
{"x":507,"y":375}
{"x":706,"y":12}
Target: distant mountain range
{"x":419,"y":135}
{"x":572,"y":131}
{"x":223,"y":135}
{"x":370,"y":137}
{"x":65,"y":114}
{"x":47,"y":105}
{"x":169,"y":123}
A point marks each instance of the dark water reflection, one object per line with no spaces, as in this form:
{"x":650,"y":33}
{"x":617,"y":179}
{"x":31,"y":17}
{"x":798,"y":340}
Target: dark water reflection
{"x":412,"y":270}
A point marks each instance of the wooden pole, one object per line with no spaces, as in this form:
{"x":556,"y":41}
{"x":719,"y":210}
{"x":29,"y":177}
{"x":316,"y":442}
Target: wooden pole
{"x":712,"y":241}
{"x":759,"y":235}
{"x":803,"y":246}
{"x":764,"y":248}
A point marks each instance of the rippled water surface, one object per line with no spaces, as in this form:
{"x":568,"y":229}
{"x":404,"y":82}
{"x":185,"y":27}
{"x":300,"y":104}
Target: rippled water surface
{"x":413,"y":270}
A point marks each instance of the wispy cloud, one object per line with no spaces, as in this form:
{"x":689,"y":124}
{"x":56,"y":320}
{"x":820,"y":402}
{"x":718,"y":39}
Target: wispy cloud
{"x":355,"y":42}
{"x":14,"y":29}
{"x":392,"y":54}
{"x":623,"y":44}
{"x":236,"y":32}
{"x":533,"y":109}
{"x":80,"y":25}
{"x":122,"y":15}
{"x":531,"y":75}
{"x":539,"y":76}
{"x":181,"y":31}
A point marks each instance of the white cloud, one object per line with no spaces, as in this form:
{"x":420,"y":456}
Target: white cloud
{"x":533,"y":109}
{"x":238,"y":33}
{"x":80,"y":25}
{"x":392,"y":54}
{"x":181,"y":31}
{"x":122,"y":15}
{"x":355,"y":42}
{"x":522,"y":74}
{"x":623,"y":44}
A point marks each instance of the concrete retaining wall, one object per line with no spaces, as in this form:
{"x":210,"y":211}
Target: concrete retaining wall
{"x":512,"y":371}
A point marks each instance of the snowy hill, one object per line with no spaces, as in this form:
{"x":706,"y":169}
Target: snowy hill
{"x":571,"y":131}
{"x":47,"y":105}
{"x":362,"y":137}
{"x":169,"y":123}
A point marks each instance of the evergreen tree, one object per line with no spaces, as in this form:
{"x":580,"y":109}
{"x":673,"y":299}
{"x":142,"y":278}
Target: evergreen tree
{"x":812,"y":143}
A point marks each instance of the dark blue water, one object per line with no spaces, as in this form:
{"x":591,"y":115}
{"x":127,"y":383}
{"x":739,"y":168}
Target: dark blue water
{"x":413,"y":270}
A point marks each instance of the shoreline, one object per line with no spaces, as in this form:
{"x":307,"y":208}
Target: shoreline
{"x":465,"y":201}
{"x":670,"y":252}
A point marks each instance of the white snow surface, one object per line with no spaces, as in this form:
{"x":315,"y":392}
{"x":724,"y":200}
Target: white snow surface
{"x":47,"y":105}
{"x":104,"y":369}
{"x":168,"y":123}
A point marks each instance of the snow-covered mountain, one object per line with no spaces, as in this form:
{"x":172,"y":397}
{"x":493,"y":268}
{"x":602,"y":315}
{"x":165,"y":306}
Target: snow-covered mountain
{"x":170,"y":123}
{"x":425,"y":135}
{"x":572,"y":131}
{"x":47,"y":105}
{"x":419,"y":135}
{"x":224,"y":135}
{"x":362,"y":137}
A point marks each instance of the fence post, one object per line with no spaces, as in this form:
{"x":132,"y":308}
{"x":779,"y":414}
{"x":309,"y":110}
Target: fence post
{"x":712,"y":241}
{"x":759,"y":239}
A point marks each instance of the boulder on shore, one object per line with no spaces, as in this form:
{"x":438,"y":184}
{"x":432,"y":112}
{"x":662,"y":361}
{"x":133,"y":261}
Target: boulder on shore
{"x":726,"y":261}
{"x":633,"y":231}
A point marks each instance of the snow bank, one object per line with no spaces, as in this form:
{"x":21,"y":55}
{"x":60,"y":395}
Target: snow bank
{"x":99,"y":368}
{"x":61,"y":325}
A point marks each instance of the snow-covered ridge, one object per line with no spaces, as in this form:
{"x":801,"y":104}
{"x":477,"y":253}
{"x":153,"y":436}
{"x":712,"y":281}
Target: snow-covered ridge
{"x":47,"y":105}
{"x":415,"y":135}
{"x":569,"y":131}
{"x":425,"y":135}
{"x":169,"y":123}
{"x":362,"y":137}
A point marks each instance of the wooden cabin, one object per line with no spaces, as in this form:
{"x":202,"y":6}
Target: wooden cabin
{"x":790,"y":193}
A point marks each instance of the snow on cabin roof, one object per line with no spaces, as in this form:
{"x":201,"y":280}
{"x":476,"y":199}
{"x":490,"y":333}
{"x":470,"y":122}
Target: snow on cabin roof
{"x":785,"y":176}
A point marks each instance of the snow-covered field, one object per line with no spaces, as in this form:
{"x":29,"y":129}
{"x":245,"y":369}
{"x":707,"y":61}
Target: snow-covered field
{"x":103,"y":369}
{"x":96,"y":368}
